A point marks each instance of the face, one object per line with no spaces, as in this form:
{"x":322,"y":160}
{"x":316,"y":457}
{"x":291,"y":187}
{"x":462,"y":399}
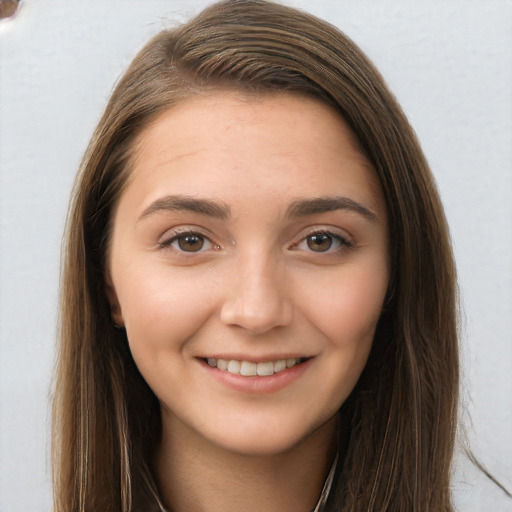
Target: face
{"x":249,"y":264}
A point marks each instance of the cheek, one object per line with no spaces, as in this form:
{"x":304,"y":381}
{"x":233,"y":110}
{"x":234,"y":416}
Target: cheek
{"x":349,"y":307}
{"x":161,"y":310}
{"x":347,"y":314}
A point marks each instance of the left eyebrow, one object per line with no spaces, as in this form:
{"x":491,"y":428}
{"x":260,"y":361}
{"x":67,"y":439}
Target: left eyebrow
{"x":303,"y":207}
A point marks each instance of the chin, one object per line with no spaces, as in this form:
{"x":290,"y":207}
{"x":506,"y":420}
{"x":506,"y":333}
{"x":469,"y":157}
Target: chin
{"x":271,"y":438}
{"x":260,"y":445}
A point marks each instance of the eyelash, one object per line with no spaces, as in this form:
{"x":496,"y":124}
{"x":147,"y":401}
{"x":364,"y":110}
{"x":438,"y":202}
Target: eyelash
{"x":340,"y":241}
{"x":181,"y":235}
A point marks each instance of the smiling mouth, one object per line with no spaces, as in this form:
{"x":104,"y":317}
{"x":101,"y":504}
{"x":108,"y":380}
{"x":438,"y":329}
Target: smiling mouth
{"x":252,"y":369}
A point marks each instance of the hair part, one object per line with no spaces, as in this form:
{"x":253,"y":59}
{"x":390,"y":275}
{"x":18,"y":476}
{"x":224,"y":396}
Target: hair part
{"x":399,"y":436}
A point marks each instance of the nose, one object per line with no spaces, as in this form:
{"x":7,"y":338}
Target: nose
{"x":257,"y":297}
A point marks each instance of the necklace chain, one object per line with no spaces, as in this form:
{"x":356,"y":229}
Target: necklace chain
{"x":326,"y":489}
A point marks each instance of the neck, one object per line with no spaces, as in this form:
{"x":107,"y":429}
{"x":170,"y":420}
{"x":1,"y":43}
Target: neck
{"x":196,"y":476}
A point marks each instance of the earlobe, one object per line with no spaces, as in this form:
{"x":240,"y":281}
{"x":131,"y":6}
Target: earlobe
{"x":115,"y":307}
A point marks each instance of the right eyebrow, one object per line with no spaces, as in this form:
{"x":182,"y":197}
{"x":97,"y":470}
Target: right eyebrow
{"x":175,"y":203}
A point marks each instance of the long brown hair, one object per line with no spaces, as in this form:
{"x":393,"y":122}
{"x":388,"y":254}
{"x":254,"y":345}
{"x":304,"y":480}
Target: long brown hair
{"x":400,"y":420}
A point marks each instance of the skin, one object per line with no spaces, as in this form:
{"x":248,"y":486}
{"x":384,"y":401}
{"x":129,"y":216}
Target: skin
{"x":257,"y":286}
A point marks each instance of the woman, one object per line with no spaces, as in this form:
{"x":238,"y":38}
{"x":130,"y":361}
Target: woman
{"x":258,"y":299}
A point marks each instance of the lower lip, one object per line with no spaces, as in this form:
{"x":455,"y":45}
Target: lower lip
{"x":257,"y":384}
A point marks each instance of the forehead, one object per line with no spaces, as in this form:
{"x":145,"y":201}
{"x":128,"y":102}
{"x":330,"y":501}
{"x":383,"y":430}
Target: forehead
{"x":226,"y":144}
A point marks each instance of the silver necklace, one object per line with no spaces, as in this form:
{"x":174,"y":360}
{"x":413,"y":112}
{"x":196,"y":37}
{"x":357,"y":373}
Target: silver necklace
{"x":326,"y":489}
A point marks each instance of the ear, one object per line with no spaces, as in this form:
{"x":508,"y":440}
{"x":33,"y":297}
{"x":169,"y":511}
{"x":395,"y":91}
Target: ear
{"x":115,"y":307}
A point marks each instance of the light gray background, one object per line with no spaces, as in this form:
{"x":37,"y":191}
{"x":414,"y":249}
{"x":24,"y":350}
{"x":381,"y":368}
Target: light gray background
{"x":448,"y":61}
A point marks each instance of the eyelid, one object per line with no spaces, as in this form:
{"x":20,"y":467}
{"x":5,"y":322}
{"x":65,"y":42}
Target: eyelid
{"x":171,"y":235}
{"x":344,"y":239}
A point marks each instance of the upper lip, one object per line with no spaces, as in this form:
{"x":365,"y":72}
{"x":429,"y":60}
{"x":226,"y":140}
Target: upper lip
{"x":255,"y":359}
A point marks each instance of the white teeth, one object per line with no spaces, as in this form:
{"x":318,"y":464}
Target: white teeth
{"x":234,"y":366}
{"x":222,"y":364}
{"x":266,"y":368}
{"x":249,"y":368}
{"x":280,"y":365}
{"x":291,"y":362}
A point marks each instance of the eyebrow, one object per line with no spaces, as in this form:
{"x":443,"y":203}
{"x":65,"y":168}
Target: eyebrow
{"x":298,"y":208}
{"x":188,"y":203}
{"x":303,"y":207}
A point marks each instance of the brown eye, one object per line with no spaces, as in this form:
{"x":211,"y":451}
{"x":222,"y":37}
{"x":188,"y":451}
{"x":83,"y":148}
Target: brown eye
{"x":187,"y":242}
{"x":319,"y":242}
{"x":190,"y":243}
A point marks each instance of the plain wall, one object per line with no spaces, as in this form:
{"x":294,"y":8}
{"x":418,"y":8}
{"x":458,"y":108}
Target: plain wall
{"x":450,"y":64}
